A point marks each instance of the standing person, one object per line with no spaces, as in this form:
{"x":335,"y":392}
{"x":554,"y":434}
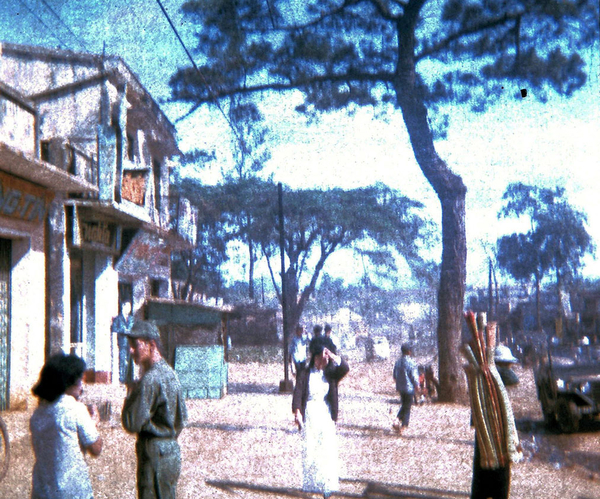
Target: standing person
{"x":494,"y":482}
{"x":62,"y":431}
{"x":315,"y":408}
{"x":121,"y":325}
{"x":406,"y":376}
{"x":504,"y":360}
{"x":297,"y":350}
{"x":332,"y":336}
{"x":154,"y":409}
{"x":317,"y":331}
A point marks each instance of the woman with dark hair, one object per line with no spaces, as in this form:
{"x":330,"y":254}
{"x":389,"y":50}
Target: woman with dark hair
{"x":62,"y":430}
{"x":315,"y":407}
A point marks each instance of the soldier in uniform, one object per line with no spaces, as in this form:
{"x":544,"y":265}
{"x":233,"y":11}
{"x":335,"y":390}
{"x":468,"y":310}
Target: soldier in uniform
{"x":154,"y":409}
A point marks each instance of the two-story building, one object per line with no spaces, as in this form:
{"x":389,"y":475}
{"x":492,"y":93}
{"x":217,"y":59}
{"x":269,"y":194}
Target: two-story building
{"x":28,"y":188}
{"x":108,"y":240}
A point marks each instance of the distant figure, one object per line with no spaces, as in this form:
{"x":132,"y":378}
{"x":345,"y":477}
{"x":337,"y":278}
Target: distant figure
{"x":297,"y":351}
{"x":431,"y":382}
{"x":584,"y":352}
{"x":332,"y":336}
{"x":315,"y":408}
{"x":62,"y":431}
{"x":154,"y":409}
{"x":317,"y":331}
{"x":121,"y":325}
{"x":406,"y":376}
{"x":504,"y":359}
{"x":428,"y":384}
{"x":421,"y":394}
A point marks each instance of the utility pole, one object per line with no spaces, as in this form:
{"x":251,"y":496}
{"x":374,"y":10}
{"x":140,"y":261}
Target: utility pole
{"x":285,"y":385}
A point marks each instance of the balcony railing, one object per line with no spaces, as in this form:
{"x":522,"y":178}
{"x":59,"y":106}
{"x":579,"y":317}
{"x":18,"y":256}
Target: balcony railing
{"x":81,"y":165}
{"x":69,"y":158}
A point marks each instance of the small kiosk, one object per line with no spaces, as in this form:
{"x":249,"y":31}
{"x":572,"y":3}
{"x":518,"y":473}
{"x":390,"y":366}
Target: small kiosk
{"x":195,"y":340}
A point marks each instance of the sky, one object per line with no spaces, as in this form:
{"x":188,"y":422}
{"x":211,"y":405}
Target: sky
{"x":516,"y":140}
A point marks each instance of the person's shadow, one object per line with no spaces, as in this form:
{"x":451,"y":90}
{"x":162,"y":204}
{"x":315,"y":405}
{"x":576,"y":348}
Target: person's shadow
{"x":371,"y":489}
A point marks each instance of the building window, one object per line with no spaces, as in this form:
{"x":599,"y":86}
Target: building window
{"x":130,"y":147}
{"x":155,"y":286}
{"x":156,"y":168}
{"x":45,"y":150}
{"x":134,"y":186}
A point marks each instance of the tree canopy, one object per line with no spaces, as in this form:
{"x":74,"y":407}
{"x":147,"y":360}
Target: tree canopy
{"x":556,"y":241}
{"x":411,"y":54}
{"x":317,"y":223}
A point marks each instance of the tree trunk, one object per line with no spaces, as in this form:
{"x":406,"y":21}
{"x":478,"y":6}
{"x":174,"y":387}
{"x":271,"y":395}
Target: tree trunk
{"x":451,"y":192}
{"x":251,"y":269}
{"x":560,"y":309}
{"x":538,"y":307}
{"x":451,"y":294}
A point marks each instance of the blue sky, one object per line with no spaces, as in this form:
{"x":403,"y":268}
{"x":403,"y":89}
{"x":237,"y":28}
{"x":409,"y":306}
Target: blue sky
{"x":516,"y":140}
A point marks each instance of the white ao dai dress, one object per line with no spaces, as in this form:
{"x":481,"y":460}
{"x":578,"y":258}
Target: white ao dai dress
{"x":320,"y":468}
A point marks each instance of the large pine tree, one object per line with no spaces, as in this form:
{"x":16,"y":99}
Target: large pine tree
{"x":342,"y":53}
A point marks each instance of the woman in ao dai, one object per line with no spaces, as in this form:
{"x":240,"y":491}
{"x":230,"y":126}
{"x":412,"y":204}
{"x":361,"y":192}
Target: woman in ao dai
{"x":315,"y":407}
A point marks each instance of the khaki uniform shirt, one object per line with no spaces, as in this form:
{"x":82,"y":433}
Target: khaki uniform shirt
{"x":156,"y":407}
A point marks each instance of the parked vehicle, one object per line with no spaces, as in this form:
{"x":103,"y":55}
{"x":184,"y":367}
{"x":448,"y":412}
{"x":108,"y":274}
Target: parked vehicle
{"x":568,"y":385}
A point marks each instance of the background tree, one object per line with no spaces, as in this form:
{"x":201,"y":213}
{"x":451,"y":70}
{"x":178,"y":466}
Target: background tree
{"x":226,"y":215}
{"x":317,"y":223}
{"x":320,"y":222}
{"x":410,"y":53}
{"x":517,"y":255}
{"x":197,"y":272}
{"x":249,"y":139}
{"x":557,"y":238}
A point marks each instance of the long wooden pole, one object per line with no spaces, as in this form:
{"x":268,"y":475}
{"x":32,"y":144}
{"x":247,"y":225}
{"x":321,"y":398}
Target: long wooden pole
{"x":283,"y":287}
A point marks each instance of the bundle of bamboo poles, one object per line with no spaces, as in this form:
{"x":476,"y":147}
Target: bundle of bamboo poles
{"x":491,"y":409}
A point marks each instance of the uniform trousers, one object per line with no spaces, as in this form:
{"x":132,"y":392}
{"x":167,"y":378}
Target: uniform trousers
{"x":159,"y":465}
{"x":406,"y":401}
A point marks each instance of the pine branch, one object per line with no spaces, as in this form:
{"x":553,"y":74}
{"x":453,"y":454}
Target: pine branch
{"x":466,"y":31}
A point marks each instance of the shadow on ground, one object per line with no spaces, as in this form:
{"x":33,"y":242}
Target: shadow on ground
{"x":266,"y":388}
{"x":363,"y":488}
{"x":548,"y":444}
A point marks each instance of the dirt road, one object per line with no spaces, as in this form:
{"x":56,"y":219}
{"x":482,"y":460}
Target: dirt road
{"x":248,"y":438}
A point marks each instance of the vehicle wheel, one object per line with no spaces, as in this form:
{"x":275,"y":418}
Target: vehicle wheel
{"x":549,"y":419}
{"x":548,"y":413}
{"x":567,"y":416}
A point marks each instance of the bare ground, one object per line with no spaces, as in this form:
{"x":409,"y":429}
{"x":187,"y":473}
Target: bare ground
{"x":248,"y":438}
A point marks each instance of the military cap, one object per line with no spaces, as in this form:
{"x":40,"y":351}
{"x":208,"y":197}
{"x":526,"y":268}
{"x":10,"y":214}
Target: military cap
{"x":144,"y":330}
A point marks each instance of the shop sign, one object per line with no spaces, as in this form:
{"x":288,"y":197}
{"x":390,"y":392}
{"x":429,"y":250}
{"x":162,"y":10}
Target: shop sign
{"x":23,"y":200}
{"x":96,"y":235}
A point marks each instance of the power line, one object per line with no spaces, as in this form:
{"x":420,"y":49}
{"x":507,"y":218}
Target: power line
{"x":63,"y":23}
{"x":211,"y":93}
{"x":50,"y":30}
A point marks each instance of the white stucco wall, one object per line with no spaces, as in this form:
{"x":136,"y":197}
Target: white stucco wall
{"x":28,"y":316}
{"x":107,"y":307}
{"x":17,"y":126}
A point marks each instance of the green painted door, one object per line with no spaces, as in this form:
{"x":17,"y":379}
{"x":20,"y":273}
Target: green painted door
{"x":5,"y":264}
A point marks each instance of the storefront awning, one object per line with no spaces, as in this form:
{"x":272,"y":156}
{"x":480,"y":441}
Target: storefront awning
{"x":39,"y":172}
